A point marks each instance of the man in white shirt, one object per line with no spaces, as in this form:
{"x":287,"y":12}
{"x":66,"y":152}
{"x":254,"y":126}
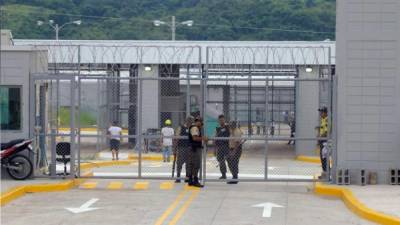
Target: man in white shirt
{"x":114,"y":133}
{"x":167,"y":133}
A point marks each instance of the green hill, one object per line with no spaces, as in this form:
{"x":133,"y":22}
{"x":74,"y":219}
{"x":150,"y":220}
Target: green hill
{"x":213,"y":19}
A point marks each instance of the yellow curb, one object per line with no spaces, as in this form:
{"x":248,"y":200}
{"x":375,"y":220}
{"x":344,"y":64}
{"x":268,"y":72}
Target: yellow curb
{"x":355,"y":205}
{"x":310,"y":159}
{"x":141,"y":185}
{"x":20,"y":191}
{"x":167,"y":185}
{"x":145,"y":157}
{"x":115,"y":185}
{"x":12,"y":195}
{"x":89,"y":185}
{"x":95,"y":164}
{"x":88,"y":129}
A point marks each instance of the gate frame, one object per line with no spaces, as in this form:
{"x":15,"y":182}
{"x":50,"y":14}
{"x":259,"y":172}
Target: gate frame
{"x":203,"y":70}
{"x":32,"y":105}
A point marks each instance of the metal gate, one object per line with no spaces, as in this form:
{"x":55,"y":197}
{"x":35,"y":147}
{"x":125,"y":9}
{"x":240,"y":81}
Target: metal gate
{"x":260,"y":90}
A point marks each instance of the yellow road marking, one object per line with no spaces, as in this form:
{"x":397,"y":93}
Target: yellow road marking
{"x":171,"y":208}
{"x":190,"y":188}
{"x":167,"y":185}
{"x":141,"y":185}
{"x":115,"y":185}
{"x":183,"y":209}
{"x":89,"y":185}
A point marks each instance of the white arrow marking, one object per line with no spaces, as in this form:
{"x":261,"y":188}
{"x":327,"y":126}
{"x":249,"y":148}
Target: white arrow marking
{"x":267,"y":208}
{"x":84,"y":207}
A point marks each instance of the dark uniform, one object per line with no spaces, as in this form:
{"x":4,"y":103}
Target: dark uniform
{"x":222,"y":148}
{"x":194,"y":156}
{"x":183,"y":146}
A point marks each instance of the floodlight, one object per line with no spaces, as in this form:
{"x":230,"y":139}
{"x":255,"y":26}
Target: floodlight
{"x":188,"y":23}
{"x":147,"y":68}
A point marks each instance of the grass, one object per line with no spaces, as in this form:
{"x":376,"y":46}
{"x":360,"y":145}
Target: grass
{"x":87,"y":119}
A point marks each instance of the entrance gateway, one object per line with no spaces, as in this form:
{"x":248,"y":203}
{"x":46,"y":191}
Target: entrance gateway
{"x":268,"y":91}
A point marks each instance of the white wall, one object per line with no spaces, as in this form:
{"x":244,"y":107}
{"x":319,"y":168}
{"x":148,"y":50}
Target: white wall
{"x":150,"y":98}
{"x":16,"y":66}
{"x":368,"y":65}
{"x":307,"y":116}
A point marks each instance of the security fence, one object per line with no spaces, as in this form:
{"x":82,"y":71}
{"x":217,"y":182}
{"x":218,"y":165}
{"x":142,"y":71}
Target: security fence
{"x":269,"y":97}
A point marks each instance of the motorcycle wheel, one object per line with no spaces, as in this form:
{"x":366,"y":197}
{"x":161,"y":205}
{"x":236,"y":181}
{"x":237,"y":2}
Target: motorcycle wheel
{"x":25,"y":167}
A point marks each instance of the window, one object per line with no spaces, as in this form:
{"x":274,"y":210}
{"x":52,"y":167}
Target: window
{"x":10,"y":107}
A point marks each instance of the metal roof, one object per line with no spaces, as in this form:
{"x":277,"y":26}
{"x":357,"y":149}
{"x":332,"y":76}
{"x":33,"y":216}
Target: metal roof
{"x":187,"y":52}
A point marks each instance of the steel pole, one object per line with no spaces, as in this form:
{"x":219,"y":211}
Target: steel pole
{"x":173,"y":27}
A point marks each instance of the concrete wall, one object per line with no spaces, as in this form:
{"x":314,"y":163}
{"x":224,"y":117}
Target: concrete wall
{"x":368,"y":65}
{"x":16,"y":66}
{"x":150,"y":98}
{"x":307,"y":116}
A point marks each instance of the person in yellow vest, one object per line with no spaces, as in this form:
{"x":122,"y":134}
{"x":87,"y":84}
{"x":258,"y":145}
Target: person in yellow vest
{"x":323,"y":133}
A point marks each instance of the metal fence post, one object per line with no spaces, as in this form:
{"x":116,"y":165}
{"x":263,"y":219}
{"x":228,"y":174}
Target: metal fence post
{"x":188,"y":92}
{"x":79,"y":128}
{"x":204,"y":77}
{"x":139,"y":130}
{"x":330,"y":116}
{"x":72,"y":125}
{"x":266,"y":125}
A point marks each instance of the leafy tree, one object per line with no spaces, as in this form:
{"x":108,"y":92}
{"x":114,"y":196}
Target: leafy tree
{"x":214,"y":20}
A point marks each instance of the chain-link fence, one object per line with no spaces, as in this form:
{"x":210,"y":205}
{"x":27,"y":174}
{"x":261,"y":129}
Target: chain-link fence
{"x":259,"y":107}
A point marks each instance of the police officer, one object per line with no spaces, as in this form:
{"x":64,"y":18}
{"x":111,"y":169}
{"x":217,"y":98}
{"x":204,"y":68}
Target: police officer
{"x":194,"y":157}
{"x":235,"y":152}
{"x":222,"y":146}
{"x":183,"y":146}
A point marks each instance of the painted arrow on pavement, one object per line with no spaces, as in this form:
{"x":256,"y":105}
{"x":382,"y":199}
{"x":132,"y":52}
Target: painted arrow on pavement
{"x":267,"y":208}
{"x":85,"y":207}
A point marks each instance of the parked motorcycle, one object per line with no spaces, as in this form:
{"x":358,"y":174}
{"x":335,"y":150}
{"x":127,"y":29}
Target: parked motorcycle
{"x":18,"y":166}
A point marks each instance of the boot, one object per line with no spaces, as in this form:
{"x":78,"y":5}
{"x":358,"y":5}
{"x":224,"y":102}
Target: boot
{"x":186,"y":179}
{"x":223,"y":177}
{"x":178,"y":180}
{"x":234,"y":180}
{"x":196,"y":183}
{"x":190,"y":181}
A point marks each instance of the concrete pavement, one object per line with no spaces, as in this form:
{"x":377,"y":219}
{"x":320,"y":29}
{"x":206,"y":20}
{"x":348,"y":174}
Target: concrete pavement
{"x":217,"y":204}
{"x":382,"y":198}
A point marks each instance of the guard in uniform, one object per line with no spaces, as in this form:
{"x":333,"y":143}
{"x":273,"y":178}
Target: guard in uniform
{"x":182,"y":149}
{"x":194,"y":157}
{"x":235,"y":152}
{"x":222,"y":146}
{"x":323,"y":132}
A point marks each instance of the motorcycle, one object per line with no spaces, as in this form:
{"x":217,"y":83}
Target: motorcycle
{"x":18,"y":166}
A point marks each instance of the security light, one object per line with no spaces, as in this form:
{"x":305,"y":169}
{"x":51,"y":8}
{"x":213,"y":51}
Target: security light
{"x":147,"y":68}
{"x":309,"y":69}
{"x":188,"y":23}
{"x":158,"y":23}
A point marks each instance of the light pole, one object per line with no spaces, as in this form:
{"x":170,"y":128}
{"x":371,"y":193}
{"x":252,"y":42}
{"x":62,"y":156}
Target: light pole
{"x":56,"y":27}
{"x":173,"y":24}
